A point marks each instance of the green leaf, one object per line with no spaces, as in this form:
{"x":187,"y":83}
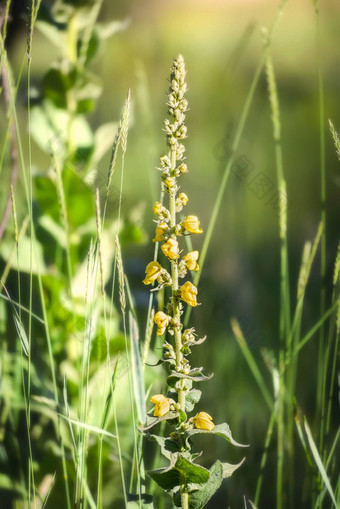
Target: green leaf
{"x":319,"y":462}
{"x":168,"y":446}
{"x":199,"y":499}
{"x":52,"y":33}
{"x":182,"y":472}
{"x":218,"y":472}
{"x":182,"y":417}
{"x":81,"y":134}
{"x":88,"y":89}
{"x":143,"y":501}
{"x":57,"y":82}
{"x":137,"y":369}
{"x":48,"y":128}
{"x":106,"y":30}
{"x":229,"y":468}
{"x":195,"y":375}
{"x":192,"y":398}
{"x":222,"y":430}
{"x":57,"y":232}
{"x":23,"y":264}
{"x":151,"y":422}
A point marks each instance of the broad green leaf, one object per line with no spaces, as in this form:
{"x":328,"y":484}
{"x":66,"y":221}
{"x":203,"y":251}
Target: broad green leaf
{"x":57,"y":232}
{"x":183,"y":471}
{"x":6,"y":483}
{"x":143,"y":502}
{"x":196,"y":377}
{"x":81,"y":134}
{"x":55,"y":36}
{"x":87,"y":90}
{"x":229,"y":468}
{"x":218,"y":472}
{"x":23,"y":263}
{"x":199,"y":499}
{"x":151,"y":422}
{"x":222,"y":430}
{"x":137,"y":369}
{"x":106,"y":30}
{"x":167,"y":445}
{"x":49,"y":128}
{"x":167,"y":479}
{"x":192,"y":398}
{"x":57,"y":82}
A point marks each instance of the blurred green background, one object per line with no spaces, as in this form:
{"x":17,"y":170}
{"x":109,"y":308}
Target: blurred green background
{"x":221,"y":44}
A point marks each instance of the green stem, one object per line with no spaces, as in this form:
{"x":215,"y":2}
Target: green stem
{"x":184,"y":500}
{"x":174,"y":276}
{"x":177,"y":316}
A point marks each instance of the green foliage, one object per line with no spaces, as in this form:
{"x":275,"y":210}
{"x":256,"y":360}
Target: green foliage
{"x":219,"y":471}
{"x":180,"y":472}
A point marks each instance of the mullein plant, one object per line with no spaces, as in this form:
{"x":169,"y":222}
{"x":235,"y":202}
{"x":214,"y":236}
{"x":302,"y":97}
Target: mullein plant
{"x":190,"y":484}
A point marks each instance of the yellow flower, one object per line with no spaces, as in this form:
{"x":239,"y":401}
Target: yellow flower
{"x":170,"y":182}
{"x":157,"y":208}
{"x":162,"y":321}
{"x":152,"y":271}
{"x":183,"y":199}
{"x":170,"y":249}
{"x":190,"y":260}
{"x":203,"y":421}
{"x":191,"y":224}
{"x":160,"y":230}
{"x":188,"y":293}
{"x":162,"y":405}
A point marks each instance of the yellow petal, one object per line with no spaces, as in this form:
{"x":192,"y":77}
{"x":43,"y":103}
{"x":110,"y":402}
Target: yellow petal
{"x":203,"y":421}
{"x":191,"y":224}
{"x":152,"y":271}
{"x":170,"y":249}
{"x":162,"y":405}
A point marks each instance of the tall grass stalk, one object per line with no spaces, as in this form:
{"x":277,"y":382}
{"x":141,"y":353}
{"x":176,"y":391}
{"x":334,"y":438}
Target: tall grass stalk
{"x":33,"y":14}
{"x":284,"y":323}
{"x":321,"y":389}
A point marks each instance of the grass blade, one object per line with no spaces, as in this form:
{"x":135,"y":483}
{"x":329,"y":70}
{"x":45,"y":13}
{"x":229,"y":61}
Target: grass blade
{"x":137,"y":369}
{"x":251,"y":362}
{"x":318,"y":461}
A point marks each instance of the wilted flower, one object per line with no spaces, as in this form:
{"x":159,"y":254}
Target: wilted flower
{"x":183,"y":168}
{"x":182,"y":197}
{"x":170,"y":182}
{"x":203,"y":421}
{"x":162,"y":405}
{"x":162,"y":321}
{"x":188,"y":293}
{"x":152,"y":271}
{"x":191,"y":224}
{"x":190,"y":260}
{"x":170,"y":249}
